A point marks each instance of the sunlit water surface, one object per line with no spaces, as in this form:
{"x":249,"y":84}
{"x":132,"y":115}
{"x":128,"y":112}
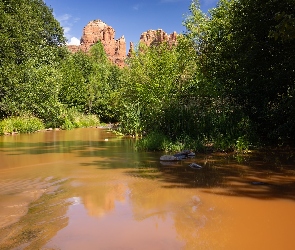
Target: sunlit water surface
{"x":89,"y":189}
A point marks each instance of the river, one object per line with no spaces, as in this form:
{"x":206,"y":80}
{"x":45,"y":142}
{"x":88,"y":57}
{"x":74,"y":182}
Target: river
{"x":88,"y":189}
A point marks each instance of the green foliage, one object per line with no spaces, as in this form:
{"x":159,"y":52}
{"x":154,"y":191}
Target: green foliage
{"x":154,"y":141}
{"x":166,"y":92}
{"x":242,"y":145}
{"x":228,"y":82}
{"x":39,"y":78}
{"x":24,"y":124}
{"x":158,"y":141}
{"x":71,"y":118}
{"x":246,"y":49}
{"x":131,"y":119}
{"x":98,"y":54}
{"x":29,"y":30}
{"x":90,"y":83}
{"x":184,"y":142}
{"x":29,"y":57}
{"x":76,"y":88}
{"x":156,"y":75}
{"x":32,"y":90}
{"x":285,"y":29}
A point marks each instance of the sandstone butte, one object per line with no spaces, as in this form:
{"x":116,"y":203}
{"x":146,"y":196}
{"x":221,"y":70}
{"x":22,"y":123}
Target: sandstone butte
{"x":97,"y":30}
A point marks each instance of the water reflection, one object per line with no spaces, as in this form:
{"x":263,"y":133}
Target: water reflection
{"x":75,"y":189}
{"x":118,"y":231}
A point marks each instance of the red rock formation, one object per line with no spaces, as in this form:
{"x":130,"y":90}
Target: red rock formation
{"x":73,"y":48}
{"x":97,"y":30}
{"x":154,"y":37}
{"x":131,"y":49}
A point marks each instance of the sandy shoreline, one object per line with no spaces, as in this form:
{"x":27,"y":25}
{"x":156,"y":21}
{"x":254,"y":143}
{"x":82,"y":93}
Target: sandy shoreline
{"x":17,"y":195}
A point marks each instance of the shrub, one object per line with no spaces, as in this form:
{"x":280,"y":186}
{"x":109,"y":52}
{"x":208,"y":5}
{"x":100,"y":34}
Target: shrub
{"x":154,"y":141}
{"x":21,"y":124}
{"x":72,"y":118}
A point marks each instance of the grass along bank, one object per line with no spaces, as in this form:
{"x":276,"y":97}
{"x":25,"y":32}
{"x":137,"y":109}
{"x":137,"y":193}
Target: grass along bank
{"x":30,"y":124}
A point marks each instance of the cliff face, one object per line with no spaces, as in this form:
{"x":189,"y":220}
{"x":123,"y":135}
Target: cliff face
{"x":97,"y":30}
{"x":154,"y":37}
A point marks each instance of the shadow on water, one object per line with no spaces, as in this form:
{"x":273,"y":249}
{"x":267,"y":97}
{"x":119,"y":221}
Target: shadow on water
{"x":262,"y":175}
{"x":91,"y":183}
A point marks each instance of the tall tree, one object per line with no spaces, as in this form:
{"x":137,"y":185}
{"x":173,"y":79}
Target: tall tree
{"x":247,"y":49}
{"x":28,"y":30}
{"x":31,"y":45}
{"x":89,"y":82}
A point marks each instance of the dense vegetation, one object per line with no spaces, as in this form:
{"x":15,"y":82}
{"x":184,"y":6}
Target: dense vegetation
{"x":31,"y":54}
{"x":228,"y":83}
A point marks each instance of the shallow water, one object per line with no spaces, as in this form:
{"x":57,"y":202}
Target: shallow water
{"x":88,"y":189}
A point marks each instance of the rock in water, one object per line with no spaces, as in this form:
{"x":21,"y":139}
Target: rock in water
{"x":259,"y":183}
{"x":191,"y":154}
{"x":195,"y":166}
{"x":184,"y":154}
{"x":180,"y":156}
{"x":169,"y":158}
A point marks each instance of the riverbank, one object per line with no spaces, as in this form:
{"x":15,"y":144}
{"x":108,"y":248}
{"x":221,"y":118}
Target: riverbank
{"x":30,"y":124}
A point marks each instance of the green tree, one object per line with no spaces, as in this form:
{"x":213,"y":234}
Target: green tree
{"x":33,"y":91}
{"x":29,"y":30}
{"x":158,"y":83}
{"x":31,"y":48}
{"x":90,"y":83}
{"x":246,"y":49}
{"x":152,"y":75}
{"x":99,"y":88}
{"x":76,"y":89}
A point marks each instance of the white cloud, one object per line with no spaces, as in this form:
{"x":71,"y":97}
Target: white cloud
{"x":74,"y":41}
{"x":66,"y":30}
{"x":64,"y":17}
{"x":67,"y":22}
{"x":136,"y":7}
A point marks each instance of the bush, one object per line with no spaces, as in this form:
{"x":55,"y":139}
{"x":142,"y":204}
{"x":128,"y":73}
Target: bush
{"x":71,"y":118}
{"x":157,"y":141}
{"x":22,"y":124}
{"x":154,"y":141}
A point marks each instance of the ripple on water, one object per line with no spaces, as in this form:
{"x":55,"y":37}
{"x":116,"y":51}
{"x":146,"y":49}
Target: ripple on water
{"x":33,"y":214}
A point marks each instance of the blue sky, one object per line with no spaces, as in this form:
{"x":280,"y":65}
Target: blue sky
{"x":129,"y":18}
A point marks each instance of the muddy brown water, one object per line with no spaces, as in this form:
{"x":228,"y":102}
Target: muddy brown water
{"x":89,"y":189}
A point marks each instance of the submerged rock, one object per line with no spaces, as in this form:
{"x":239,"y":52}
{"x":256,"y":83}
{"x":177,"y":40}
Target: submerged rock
{"x":169,"y":163}
{"x":259,"y":183}
{"x":178,"y":156}
{"x":195,"y":166}
{"x":185,"y":154}
{"x":191,"y":154}
{"x":169,"y":158}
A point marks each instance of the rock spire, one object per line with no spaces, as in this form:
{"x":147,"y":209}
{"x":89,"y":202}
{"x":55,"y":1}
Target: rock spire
{"x":97,"y":30}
